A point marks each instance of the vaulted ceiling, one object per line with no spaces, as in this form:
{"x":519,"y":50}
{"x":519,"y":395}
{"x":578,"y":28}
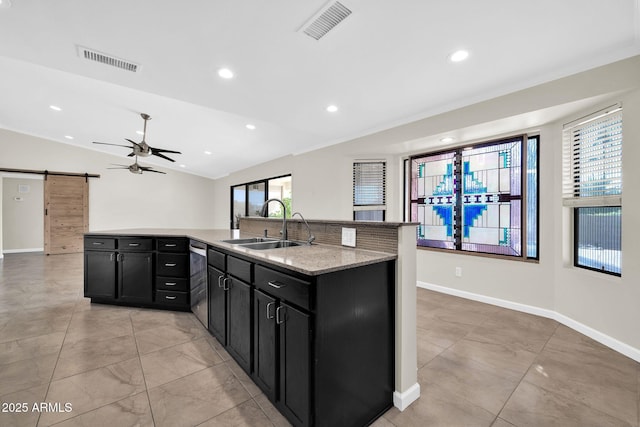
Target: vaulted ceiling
{"x":387,"y":63}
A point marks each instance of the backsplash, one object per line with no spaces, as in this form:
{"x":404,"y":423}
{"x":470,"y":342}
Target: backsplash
{"x":374,"y":236}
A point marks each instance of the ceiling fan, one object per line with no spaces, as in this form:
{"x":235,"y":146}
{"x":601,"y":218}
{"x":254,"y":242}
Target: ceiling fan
{"x":143,"y":149}
{"x":136,"y":168}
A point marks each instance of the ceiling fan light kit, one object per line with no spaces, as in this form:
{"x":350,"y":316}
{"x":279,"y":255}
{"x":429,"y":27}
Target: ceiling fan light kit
{"x":142,"y":149}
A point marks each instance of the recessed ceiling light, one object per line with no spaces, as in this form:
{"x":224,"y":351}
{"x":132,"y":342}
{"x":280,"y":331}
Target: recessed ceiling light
{"x":139,"y":132}
{"x":251,"y":127}
{"x":68,"y":136}
{"x":183,"y":166}
{"x":446,"y":139}
{"x":459,"y":55}
{"x":55,"y":108}
{"x":332,"y":108}
{"x":208,"y":153}
{"x":225,"y":73}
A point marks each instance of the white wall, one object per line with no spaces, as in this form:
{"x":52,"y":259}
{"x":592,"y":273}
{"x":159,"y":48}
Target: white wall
{"x":118,"y":199}
{"x":22,"y":214}
{"x":322,"y":190}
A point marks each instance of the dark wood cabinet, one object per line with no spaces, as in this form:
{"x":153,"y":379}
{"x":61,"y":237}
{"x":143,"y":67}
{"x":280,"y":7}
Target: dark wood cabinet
{"x":100,"y":269}
{"x":135,"y":277}
{"x":264,"y":343}
{"x":217,"y":304}
{"x":172,"y":273}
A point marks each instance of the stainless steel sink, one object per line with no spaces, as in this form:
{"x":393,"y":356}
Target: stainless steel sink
{"x":274,"y":244}
{"x":249,"y":240}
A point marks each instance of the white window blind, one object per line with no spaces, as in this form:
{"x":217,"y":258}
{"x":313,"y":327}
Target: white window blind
{"x":592,"y":164}
{"x":369,"y":185}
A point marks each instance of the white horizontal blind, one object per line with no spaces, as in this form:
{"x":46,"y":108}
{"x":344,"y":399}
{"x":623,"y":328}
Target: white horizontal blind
{"x":369,"y":185}
{"x":592,"y":164}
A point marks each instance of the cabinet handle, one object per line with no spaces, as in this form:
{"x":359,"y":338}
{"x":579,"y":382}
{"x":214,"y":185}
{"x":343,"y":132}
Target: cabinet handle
{"x":225,"y":282}
{"x":170,"y":283}
{"x":111,"y":256}
{"x":134,"y":244}
{"x":119,"y":257}
{"x":220,"y":281}
{"x":98,"y":243}
{"x":170,"y":264}
{"x":170,"y":245}
{"x":279,"y":321}
{"x":269,"y":311}
{"x":171,"y":297}
{"x":276,"y":284}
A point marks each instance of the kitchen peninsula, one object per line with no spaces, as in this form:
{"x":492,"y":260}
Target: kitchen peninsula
{"x":313,"y":325}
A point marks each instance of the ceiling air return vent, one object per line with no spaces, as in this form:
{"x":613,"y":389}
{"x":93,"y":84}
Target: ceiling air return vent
{"x":94,"y":55}
{"x":325,"y":20}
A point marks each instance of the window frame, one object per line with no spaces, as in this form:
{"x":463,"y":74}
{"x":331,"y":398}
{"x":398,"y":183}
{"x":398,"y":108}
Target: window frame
{"x":458,"y":150}
{"x":247,"y":186}
{"x":359,"y":207}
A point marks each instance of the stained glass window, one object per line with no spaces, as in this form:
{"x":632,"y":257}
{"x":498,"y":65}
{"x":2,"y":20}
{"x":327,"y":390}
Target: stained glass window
{"x":471,"y":199}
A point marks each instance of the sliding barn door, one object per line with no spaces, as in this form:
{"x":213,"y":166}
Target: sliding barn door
{"x":66,"y":219}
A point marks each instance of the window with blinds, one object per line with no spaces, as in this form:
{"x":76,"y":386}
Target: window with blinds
{"x":369,"y":191}
{"x":592,"y":186}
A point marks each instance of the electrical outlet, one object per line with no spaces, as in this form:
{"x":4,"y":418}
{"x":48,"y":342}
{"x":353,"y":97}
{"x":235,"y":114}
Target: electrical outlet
{"x":349,"y":237}
{"x":458,"y":271}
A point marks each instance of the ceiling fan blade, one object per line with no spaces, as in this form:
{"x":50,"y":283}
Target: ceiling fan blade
{"x":134,"y":143}
{"x":151,"y":170}
{"x":162,"y":150}
{"x":162,"y":155}
{"x":122,"y":167}
{"x":107,"y":143}
{"x":131,"y":154}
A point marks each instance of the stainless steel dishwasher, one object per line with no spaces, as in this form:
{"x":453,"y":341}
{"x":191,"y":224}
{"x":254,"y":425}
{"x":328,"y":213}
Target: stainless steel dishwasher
{"x":198,"y":281}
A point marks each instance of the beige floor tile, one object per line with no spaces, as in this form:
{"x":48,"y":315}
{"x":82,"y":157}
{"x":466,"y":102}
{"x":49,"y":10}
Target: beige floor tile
{"x":166,"y":336}
{"x":168,"y":364}
{"x":532,"y":406}
{"x":131,"y":411}
{"x":150,"y":319}
{"x":92,"y":353}
{"x":28,"y":348}
{"x":382,"y":422}
{"x":272,"y":413}
{"x":93,"y":389}
{"x":499,"y":422}
{"x":196,"y":398}
{"x":244,"y":379}
{"x":26,"y":373}
{"x":24,"y":416}
{"x":427,"y":350}
{"x":247,"y":414}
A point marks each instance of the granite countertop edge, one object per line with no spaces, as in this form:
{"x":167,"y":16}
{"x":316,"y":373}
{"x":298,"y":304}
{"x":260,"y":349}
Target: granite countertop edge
{"x":311,"y":260}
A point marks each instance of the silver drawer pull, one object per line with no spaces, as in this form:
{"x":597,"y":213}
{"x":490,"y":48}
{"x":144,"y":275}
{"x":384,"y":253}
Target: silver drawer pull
{"x":134,"y":244}
{"x":170,"y":245}
{"x":269,"y":317}
{"x":276,"y":284}
{"x":170,"y":283}
{"x":170,"y":264}
{"x":171,"y":297}
{"x":279,"y":320}
{"x":98,"y":243}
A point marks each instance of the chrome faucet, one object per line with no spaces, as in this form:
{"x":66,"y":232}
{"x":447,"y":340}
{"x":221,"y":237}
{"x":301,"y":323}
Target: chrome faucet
{"x":263,"y":212}
{"x":311,"y":237}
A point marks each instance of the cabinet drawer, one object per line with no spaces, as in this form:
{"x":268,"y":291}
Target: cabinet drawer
{"x":172,"y":284}
{"x":135,"y":244}
{"x":239,"y":268}
{"x":172,"y":298}
{"x":99,"y":243}
{"x":283,"y":286}
{"x":172,"y":244}
{"x":172,"y":265}
{"x":216,"y":259}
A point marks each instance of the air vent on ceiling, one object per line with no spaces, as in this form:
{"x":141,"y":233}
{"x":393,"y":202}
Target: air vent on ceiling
{"x":325,"y":20}
{"x":104,"y":58}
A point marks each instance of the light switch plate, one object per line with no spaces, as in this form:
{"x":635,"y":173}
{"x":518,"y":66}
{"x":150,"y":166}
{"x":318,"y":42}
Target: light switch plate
{"x":349,"y":237}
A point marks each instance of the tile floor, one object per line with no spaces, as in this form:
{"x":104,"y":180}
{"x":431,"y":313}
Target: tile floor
{"x":479,"y":365}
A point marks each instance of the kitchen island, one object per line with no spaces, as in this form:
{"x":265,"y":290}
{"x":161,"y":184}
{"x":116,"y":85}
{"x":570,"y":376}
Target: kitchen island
{"x":313,"y":325}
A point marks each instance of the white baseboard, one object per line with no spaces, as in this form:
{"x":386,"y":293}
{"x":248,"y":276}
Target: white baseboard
{"x":19,"y":251}
{"x":594,"y":334}
{"x":407,"y":397}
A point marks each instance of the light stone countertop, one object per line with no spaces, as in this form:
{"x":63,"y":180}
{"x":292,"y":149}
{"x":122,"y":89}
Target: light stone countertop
{"x":311,"y":260}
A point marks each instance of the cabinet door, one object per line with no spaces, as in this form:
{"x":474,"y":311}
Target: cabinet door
{"x":135,"y":271}
{"x":239,"y":322}
{"x":100,"y":274}
{"x":217,"y":304}
{"x":295,"y":363}
{"x":264,"y":343}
